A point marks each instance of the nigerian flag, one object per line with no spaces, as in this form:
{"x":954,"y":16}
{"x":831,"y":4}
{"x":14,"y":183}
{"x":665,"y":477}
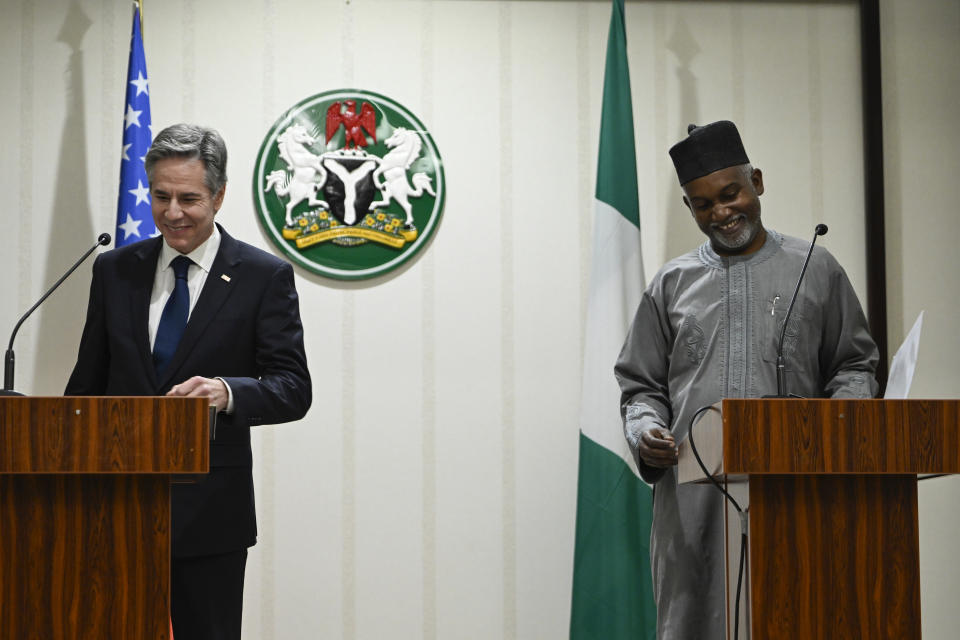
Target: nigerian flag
{"x":612,"y":586}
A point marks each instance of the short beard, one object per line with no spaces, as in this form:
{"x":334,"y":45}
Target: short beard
{"x":742,"y":241}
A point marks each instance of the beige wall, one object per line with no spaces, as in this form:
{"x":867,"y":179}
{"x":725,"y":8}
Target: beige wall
{"x":430,"y":491}
{"x":921,"y":77}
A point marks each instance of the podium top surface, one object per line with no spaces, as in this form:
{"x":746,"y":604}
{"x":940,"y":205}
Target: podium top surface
{"x":113,"y":435}
{"x":823,"y":436}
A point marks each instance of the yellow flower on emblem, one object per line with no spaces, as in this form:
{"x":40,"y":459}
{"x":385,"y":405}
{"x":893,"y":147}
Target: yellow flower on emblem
{"x":381,"y":217}
{"x":314,"y":227}
{"x":323,"y":215}
{"x":303,"y":222}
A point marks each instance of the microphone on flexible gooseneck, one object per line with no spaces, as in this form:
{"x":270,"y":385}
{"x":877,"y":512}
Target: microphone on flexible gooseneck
{"x":8,"y":360}
{"x":820,"y":230}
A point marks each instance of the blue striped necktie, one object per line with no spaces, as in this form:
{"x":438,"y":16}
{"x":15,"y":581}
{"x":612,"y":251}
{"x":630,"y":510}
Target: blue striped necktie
{"x":173,"y":320}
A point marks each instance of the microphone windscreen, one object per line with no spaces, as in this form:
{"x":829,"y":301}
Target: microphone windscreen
{"x":104,"y":239}
{"x":821,"y":229}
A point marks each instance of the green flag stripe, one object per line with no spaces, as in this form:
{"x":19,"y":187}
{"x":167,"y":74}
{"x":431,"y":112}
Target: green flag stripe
{"x":612,"y":592}
{"x":617,"y":161}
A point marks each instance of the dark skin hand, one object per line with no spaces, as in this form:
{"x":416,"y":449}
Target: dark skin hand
{"x":657,"y":448}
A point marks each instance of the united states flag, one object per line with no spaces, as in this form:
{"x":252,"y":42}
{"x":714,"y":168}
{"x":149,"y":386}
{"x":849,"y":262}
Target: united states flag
{"x":134,"y":220}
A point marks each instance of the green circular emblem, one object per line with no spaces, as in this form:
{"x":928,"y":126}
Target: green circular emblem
{"x":349,"y":184}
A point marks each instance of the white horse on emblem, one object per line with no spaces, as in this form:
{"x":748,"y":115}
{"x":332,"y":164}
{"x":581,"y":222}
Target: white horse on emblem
{"x":391,"y":176}
{"x":301,"y":184}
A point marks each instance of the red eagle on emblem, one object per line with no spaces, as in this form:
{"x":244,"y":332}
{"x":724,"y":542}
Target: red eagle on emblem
{"x":354,"y":123}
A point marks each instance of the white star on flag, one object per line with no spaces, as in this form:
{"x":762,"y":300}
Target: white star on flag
{"x":131,"y":227}
{"x":141,"y":84}
{"x":131,"y":117}
{"x":142,"y":193}
{"x":134,"y":221}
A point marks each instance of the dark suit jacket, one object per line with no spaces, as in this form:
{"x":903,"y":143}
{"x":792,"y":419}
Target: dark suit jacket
{"x":246,"y":330}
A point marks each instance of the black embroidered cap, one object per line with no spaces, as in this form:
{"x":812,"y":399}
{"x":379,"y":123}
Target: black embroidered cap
{"x":707,"y":149}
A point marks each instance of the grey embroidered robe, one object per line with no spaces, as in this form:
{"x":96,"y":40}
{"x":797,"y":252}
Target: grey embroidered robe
{"x":707,"y":328}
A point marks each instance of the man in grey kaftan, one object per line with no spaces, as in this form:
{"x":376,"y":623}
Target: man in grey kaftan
{"x":707,"y":328}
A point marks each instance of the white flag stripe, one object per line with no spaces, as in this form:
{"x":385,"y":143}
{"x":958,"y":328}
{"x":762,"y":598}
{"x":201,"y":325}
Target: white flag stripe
{"x":616,"y":284}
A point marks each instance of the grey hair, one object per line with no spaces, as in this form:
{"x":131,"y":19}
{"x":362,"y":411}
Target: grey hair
{"x":191,"y":141}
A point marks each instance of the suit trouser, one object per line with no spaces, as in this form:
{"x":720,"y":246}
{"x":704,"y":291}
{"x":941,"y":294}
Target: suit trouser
{"x":206,"y":596}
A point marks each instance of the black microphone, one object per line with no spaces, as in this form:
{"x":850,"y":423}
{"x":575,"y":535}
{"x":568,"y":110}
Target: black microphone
{"x":820,"y":230}
{"x":8,"y":362}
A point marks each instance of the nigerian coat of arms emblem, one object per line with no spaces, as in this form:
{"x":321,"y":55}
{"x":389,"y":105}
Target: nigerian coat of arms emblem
{"x":349,"y":184}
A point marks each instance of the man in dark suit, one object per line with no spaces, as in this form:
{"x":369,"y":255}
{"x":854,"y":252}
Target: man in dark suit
{"x":197,"y":313}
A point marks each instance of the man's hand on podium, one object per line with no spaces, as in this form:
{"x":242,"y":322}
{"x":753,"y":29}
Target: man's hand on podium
{"x":199,"y":387}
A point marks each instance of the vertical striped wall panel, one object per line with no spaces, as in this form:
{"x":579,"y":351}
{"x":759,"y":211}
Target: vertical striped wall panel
{"x":430,"y":492}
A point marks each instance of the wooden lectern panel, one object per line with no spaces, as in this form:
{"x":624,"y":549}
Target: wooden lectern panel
{"x":833,"y":527}
{"x":841,"y":436}
{"x":104,"y":435}
{"x":84,"y":557}
{"x":748,"y":437}
{"x":85,"y":512}
{"x":834,"y":557}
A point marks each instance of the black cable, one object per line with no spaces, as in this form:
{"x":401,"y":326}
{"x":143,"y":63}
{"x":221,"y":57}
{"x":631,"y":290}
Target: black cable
{"x":743,"y":557}
{"x":736,"y":505}
{"x":703,"y":467}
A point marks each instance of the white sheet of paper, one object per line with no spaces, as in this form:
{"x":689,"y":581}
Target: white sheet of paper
{"x":904,"y":363}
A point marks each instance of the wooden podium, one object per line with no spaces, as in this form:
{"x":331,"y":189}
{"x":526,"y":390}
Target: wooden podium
{"x":85,"y":512}
{"x":832,"y":493}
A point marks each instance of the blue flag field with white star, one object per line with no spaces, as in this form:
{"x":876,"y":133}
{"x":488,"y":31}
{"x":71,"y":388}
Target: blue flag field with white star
{"x":134,"y":219}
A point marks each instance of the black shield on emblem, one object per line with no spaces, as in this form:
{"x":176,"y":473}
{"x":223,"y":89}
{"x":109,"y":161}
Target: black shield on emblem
{"x":349,"y":187}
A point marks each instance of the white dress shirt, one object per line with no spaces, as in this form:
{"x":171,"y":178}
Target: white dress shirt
{"x":164,"y":281}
